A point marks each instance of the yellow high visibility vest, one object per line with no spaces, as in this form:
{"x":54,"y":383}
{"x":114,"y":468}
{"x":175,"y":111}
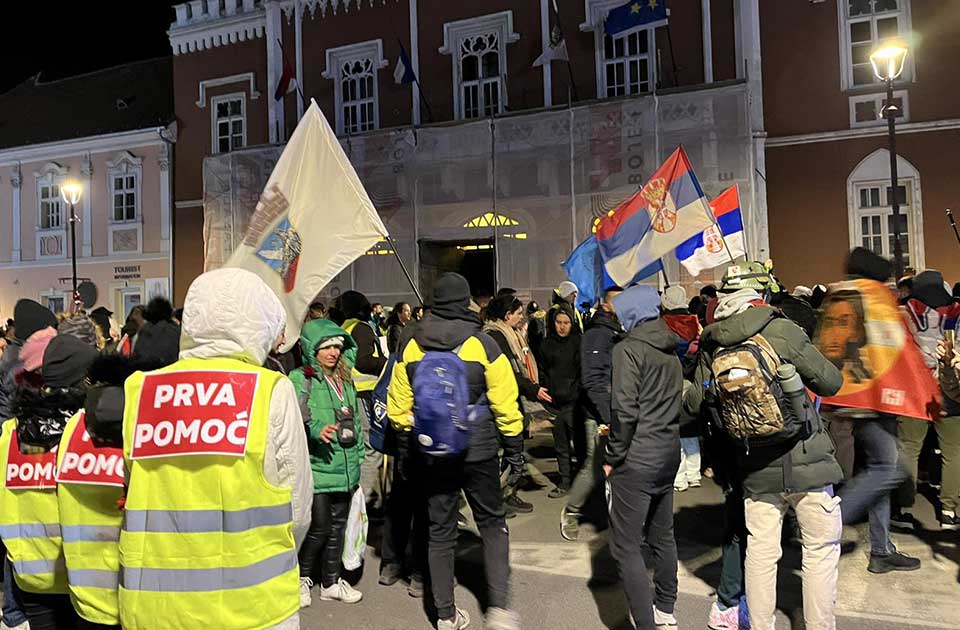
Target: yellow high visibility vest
{"x":207,"y":542}
{"x":363,"y":382}
{"x":90,"y":519}
{"x":30,"y":526}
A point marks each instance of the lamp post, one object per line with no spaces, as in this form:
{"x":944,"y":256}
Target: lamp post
{"x":887,"y":63}
{"x":71,"y":195}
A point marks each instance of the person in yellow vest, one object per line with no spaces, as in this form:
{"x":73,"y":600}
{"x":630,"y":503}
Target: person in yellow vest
{"x":219,"y":486}
{"x":368,"y":360}
{"x":29,"y":513}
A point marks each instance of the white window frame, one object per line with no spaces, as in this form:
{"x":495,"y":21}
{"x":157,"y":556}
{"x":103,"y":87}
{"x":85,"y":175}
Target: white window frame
{"x":904,"y":28}
{"x":454,"y":33}
{"x":55,"y":294}
{"x":51,"y":174}
{"x":371,"y":50}
{"x":214,"y":136}
{"x":874,"y":170}
{"x":596,"y":12}
{"x":125,"y":164}
{"x":879,"y":101}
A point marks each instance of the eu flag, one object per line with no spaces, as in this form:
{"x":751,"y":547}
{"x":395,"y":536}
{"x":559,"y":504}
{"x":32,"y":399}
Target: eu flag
{"x":636,"y":14}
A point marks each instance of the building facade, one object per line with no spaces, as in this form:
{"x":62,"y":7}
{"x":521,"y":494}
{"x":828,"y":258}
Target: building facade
{"x":488,"y":164}
{"x":112,"y":133}
{"x":827,"y":156}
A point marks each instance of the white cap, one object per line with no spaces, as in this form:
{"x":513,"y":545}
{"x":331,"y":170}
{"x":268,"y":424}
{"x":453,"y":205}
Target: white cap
{"x":567,"y":288}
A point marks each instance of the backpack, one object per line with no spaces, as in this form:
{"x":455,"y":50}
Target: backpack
{"x":443,"y":417}
{"x":380,"y":432}
{"x":750,"y":404}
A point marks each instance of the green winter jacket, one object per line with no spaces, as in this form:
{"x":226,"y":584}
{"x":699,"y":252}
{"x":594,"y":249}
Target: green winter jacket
{"x":807,"y":465}
{"x":335,"y":469}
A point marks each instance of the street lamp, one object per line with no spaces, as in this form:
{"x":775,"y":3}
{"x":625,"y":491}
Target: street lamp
{"x":71,"y":192}
{"x":888,"y":62}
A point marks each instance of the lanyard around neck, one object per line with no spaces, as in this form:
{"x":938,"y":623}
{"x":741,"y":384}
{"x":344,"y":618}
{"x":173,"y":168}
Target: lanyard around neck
{"x":335,"y":386}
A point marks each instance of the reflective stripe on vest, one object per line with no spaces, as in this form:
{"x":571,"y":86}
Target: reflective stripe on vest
{"x":201,"y":528}
{"x":207,"y":580}
{"x":199,"y":521}
{"x":362,"y":382}
{"x":29,"y":527}
{"x":90,"y":524}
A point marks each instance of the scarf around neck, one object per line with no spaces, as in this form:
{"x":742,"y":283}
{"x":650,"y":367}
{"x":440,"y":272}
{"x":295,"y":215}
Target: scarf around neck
{"x":522,"y":359}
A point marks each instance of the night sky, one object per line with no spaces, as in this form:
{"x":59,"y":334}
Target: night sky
{"x":69,"y":37}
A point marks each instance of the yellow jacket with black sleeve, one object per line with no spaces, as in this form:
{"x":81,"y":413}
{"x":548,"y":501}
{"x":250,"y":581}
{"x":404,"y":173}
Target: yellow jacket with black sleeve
{"x":488,"y":372}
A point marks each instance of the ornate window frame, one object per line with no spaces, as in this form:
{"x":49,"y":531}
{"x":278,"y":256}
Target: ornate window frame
{"x":362,"y":52}
{"x":125,"y":165}
{"x":51,"y":175}
{"x":596,"y":12}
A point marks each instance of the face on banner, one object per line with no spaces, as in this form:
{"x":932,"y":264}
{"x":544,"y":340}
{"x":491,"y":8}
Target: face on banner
{"x":843,"y":336}
{"x":202,"y":412}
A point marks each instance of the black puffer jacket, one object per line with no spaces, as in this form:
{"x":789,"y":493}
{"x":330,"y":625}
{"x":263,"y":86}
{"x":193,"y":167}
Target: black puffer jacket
{"x":560,"y":370}
{"x":596,"y":363}
{"x":801,"y":467}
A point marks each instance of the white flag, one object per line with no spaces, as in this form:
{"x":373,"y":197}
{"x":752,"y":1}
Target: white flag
{"x":313,"y":219}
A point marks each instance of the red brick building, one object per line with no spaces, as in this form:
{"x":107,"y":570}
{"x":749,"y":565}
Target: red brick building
{"x":771,"y":96}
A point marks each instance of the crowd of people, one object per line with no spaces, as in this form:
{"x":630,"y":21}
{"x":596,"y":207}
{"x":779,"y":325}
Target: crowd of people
{"x":192,"y":468}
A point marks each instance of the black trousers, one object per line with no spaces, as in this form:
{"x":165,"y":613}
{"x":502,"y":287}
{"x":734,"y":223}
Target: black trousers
{"x":52,"y":612}
{"x":405,"y":525}
{"x":569,"y":440}
{"x":480,"y":481}
{"x":637,"y":518}
{"x":323,"y":545}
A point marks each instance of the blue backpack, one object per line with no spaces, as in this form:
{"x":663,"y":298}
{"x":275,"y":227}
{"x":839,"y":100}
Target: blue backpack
{"x":443,"y":415}
{"x":380,"y":431}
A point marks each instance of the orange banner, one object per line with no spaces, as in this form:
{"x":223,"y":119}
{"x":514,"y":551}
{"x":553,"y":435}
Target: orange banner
{"x":862,"y":332}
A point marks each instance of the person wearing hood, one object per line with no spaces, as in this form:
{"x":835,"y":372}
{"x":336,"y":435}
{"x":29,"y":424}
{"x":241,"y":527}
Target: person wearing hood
{"x":536,"y":328}
{"x":642,"y":455}
{"x":158,"y":342}
{"x":367,"y":369}
{"x":328,"y":403}
{"x":596,"y":360}
{"x":928,"y":312}
{"x":244,"y":456}
{"x":567,"y":293}
{"x":451,"y":327}
{"x":798,"y":474}
{"x":29,"y":317}
{"x":52,"y":389}
{"x":560,"y":375}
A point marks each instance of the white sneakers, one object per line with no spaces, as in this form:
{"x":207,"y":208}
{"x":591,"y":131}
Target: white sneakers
{"x":305,"y":599}
{"x":459,"y":622}
{"x":664,"y":621}
{"x":23,"y":626}
{"x":340,"y":592}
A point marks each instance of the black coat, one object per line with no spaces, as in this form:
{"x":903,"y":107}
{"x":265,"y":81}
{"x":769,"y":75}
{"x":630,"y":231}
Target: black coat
{"x":647,"y":392}
{"x":158,"y":345}
{"x":596,"y":363}
{"x":560,"y":370}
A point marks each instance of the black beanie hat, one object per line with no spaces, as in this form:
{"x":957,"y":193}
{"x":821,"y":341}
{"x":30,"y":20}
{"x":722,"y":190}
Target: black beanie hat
{"x":451,"y":297}
{"x":863,"y":263}
{"x":29,"y":317}
{"x":66,"y":361}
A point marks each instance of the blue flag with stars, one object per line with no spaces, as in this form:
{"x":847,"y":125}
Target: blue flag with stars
{"x":634,"y":15}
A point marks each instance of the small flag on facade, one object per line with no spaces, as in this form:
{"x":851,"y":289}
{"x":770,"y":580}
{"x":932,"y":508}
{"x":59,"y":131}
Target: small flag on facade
{"x":403,"y":74}
{"x":556,"y":49}
{"x":288,"y":79}
{"x":635,"y":15}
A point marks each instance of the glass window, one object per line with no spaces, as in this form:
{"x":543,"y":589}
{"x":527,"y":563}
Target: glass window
{"x":876,"y":225}
{"x":626,"y":64}
{"x":124,"y":198}
{"x":869,"y":24}
{"x":51,"y":216}
{"x":481,"y":81}
{"x":229,"y":123}
{"x":358,"y":99}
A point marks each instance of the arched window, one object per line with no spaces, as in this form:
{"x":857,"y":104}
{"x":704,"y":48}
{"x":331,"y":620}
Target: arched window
{"x":491,"y":220}
{"x":870,"y":211}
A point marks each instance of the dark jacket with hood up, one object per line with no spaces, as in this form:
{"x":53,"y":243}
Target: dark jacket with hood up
{"x":647,"y":388}
{"x":30,"y":316}
{"x":800,"y":467}
{"x":560,"y":368}
{"x":596,"y":363}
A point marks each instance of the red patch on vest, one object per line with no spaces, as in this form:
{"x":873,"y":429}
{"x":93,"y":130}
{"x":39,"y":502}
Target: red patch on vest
{"x":29,"y":472}
{"x":85,"y":463}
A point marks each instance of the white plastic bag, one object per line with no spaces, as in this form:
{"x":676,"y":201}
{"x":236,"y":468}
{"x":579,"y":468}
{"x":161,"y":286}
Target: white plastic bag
{"x":355,"y":537}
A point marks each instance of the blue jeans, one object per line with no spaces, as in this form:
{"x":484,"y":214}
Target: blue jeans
{"x":13,"y":614}
{"x":883,"y":473}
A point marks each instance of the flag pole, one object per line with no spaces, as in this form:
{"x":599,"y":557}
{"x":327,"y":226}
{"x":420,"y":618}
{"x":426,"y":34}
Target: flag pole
{"x":953,"y":224}
{"x":663,"y":274}
{"x":403,"y":267}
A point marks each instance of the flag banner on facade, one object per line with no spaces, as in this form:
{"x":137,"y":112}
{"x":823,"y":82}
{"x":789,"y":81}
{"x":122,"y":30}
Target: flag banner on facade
{"x":584,"y":268}
{"x":313,"y":219}
{"x":288,"y":79}
{"x":556,"y":49}
{"x":635,"y":15}
{"x":862,"y":332}
{"x":403,"y":74}
{"x":709,"y":249}
{"x":669,"y":209}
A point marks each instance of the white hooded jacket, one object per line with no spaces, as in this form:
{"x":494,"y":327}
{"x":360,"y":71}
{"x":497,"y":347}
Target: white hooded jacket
{"x":233,"y":313}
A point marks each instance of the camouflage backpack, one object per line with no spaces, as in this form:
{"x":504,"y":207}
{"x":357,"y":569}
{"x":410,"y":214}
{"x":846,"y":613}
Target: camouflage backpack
{"x":751,"y":406}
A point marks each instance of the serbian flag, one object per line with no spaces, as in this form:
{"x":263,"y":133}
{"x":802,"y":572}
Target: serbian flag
{"x":862,"y":331}
{"x":288,"y":80}
{"x":706,"y":250}
{"x":667,"y":211}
